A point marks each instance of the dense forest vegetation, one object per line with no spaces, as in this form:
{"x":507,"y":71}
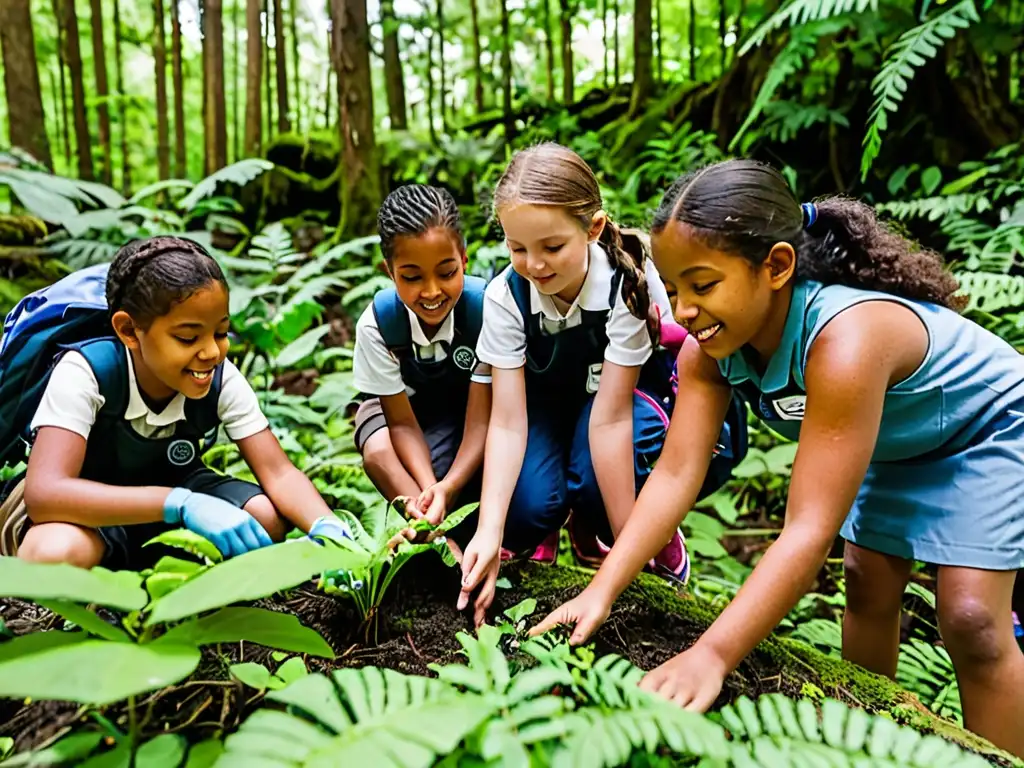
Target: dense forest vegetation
{"x":270,"y":130}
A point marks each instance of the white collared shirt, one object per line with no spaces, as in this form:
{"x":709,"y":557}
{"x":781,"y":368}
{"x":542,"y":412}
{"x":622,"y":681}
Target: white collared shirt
{"x":502,"y":340}
{"x":72,"y":400}
{"x":375,"y":371}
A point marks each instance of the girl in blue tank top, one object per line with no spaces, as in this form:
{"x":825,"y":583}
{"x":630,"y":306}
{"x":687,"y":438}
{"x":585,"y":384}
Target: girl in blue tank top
{"x":910,"y":421}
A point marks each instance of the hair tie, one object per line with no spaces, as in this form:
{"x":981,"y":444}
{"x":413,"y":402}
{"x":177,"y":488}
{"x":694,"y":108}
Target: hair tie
{"x":810,"y":214}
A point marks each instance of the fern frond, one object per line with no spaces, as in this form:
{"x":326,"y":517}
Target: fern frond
{"x":927,"y":671}
{"x":776,"y":730}
{"x":273,"y":245}
{"x":910,"y":52}
{"x":803,"y":12}
{"x":358,"y":717}
{"x":935,"y":208}
{"x":988,"y":292}
{"x":239,"y":173}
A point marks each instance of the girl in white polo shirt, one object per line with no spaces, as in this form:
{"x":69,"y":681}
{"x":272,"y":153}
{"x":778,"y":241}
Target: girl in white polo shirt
{"x":421,"y":426}
{"x":117,"y":435}
{"x":579,"y":403}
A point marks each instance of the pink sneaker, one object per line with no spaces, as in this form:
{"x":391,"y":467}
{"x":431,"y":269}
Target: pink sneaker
{"x":547,"y":551}
{"x":586,"y":546}
{"x":673,"y":562}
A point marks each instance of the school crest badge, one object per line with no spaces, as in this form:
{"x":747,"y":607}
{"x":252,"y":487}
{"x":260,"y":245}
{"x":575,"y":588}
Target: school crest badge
{"x":181,"y":453}
{"x":464,"y":358}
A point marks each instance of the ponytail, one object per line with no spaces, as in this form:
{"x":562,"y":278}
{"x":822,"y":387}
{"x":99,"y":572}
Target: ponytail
{"x":745,"y":207}
{"x":628,"y":254}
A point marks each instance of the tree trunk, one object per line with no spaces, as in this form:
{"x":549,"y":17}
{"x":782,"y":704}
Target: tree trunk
{"x":215,"y":112}
{"x":604,"y":41}
{"x":236,"y":78}
{"x":642,"y":46}
{"x":740,"y":13}
{"x":66,"y":120}
{"x":478,"y":69}
{"x":180,"y":158}
{"x":616,"y":70}
{"x":327,"y":89}
{"x":73,"y":55}
{"x":122,"y":103}
{"x":163,"y":161}
{"x":55,"y":92}
{"x":693,"y":40}
{"x":440,"y":58}
{"x":430,"y":87}
{"x":293,"y":6}
{"x":394,"y":77}
{"x":549,"y":47}
{"x":565,"y":17}
{"x":660,"y":54}
{"x":26,"y":119}
{"x":361,"y":186}
{"x":284,"y":123}
{"x":267,"y":79}
{"x":253,"y":72}
{"x":506,"y":75}
{"x":99,"y":60}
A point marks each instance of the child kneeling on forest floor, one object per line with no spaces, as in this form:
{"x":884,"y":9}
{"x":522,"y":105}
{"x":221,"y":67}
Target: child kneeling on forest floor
{"x":117,"y":433}
{"x":422,"y":426}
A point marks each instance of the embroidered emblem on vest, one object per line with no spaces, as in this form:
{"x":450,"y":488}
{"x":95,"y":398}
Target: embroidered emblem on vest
{"x":464,"y":358}
{"x":181,"y":452}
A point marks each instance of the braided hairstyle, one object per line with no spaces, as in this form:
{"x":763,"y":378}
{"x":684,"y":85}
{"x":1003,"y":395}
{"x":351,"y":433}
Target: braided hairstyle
{"x":745,"y":207}
{"x":412,"y":210}
{"x":550,"y":174}
{"x":147,"y":277}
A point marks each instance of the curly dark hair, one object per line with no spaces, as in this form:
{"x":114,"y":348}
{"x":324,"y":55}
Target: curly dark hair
{"x":550,"y":174}
{"x":412,"y":209}
{"x":147,"y":277}
{"x":745,"y":207}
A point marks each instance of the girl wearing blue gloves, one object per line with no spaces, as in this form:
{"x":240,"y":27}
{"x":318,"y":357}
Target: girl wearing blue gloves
{"x":910,"y":421}
{"x":115,"y":458}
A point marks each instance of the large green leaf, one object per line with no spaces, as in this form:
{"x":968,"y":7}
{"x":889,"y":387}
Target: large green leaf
{"x":49,"y":581}
{"x":302,"y":347}
{"x":71,"y":750}
{"x":251,"y":576}
{"x":86,"y":619}
{"x":239,"y":173}
{"x":95,"y":671}
{"x":204,"y":754}
{"x":160,"y":186}
{"x":165,"y":751}
{"x":257,"y":625}
{"x":43,"y":203}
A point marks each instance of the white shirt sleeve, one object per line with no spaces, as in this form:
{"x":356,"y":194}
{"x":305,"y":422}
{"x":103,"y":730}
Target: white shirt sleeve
{"x":72,"y":397}
{"x":481,"y":374}
{"x":629,"y":343}
{"x":375,"y":371}
{"x":238,"y":409}
{"x":502,"y":342}
{"x":659,"y":294}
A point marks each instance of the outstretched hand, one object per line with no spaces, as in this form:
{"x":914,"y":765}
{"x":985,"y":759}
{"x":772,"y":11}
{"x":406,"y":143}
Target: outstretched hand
{"x":585,"y":613}
{"x":480,"y":564}
{"x":693,"y":679}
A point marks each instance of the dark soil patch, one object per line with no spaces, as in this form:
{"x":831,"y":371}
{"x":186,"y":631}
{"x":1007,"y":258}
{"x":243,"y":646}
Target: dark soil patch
{"x":417,"y":627}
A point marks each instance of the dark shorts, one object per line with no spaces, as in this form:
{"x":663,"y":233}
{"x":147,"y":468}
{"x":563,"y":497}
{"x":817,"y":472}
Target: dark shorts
{"x":124,"y":543}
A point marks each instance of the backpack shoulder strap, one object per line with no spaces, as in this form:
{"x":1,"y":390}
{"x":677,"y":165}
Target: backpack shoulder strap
{"x":469,"y":312}
{"x":392,"y":321}
{"x":519,"y":286}
{"x":108,"y":359}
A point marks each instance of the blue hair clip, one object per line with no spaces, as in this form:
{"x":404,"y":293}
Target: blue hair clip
{"x":810,"y":214}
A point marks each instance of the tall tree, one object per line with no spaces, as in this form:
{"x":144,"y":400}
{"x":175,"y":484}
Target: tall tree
{"x":73,"y":55}
{"x":66,"y":120}
{"x":180,"y":158}
{"x":26,"y":119}
{"x":506,"y":75}
{"x":267,"y":79}
{"x":394,"y":76}
{"x":658,"y":52}
{"x":440,"y":58}
{"x":478,"y":69}
{"x":642,"y":48}
{"x":568,"y":76}
{"x":163,"y":150}
{"x":361,"y":188}
{"x":122,"y":102}
{"x":214,"y":111}
{"x":99,"y":60}
{"x":293,"y":6}
{"x":236,"y":77}
{"x":693,"y":39}
{"x":284,"y":123}
{"x":430,"y":86}
{"x":549,"y":48}
{"x":722,"y":31}
{"x":617,"y":71}
{"x":253,"y":72}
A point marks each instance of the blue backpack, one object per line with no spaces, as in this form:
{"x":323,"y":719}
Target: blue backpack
{"x":36,"y":331}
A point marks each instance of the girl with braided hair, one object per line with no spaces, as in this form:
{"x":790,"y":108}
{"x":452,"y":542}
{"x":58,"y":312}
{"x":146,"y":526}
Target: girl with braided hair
{"x":581,"y":389}
{"x":426,"y":397}
{"x":118,"y":433}
{"x":910,"y":421}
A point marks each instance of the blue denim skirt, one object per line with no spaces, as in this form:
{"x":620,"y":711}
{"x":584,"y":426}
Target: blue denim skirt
{"x":964,"y":509}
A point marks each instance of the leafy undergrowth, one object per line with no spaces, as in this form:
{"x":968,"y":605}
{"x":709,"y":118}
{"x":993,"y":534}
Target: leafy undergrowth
{"x":418,"y":632}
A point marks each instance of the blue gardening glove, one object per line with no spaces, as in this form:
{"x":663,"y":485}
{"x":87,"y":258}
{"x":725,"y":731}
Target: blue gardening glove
{"x":232,"y":530}
{"x":330,"y":527}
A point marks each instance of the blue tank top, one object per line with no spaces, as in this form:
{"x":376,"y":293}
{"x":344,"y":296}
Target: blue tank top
{"x":968,"y":375}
